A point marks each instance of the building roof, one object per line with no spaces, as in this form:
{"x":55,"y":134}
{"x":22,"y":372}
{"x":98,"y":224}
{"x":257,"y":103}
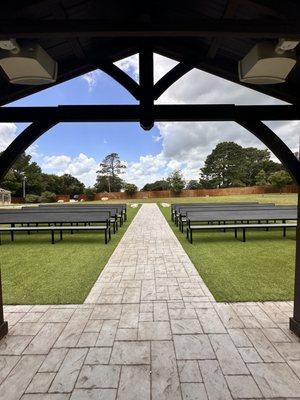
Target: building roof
{"x":5,"y":191}
{"x":213,"y":35}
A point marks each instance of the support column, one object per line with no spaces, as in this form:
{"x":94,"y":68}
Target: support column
{"x":7,"y":158}
{"x":292,"y":164}
{"x":146,"y":88}
{"x":3,"y":324}
{"x":295,"y":320}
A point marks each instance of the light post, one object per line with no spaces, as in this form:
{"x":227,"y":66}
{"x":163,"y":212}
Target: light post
{"x":23,"y":184}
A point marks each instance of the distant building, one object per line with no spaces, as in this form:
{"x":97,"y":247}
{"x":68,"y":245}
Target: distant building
{"x":5,"y":197}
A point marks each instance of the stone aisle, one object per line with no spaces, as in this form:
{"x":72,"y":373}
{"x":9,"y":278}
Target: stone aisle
{"x":150,"y":329}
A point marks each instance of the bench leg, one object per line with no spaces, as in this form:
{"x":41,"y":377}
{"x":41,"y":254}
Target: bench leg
{"x":235,"y":233}
{"x":28,"y":231}
{"x":244,"y":234}
{"x":105,"y":236}
{"x":284,"y":231}
{"x":109,"y":233}
{"x":12,"y":233}
{"x":61,"y":235}
{"x":191,"y":236}
{"x":52,"y":236}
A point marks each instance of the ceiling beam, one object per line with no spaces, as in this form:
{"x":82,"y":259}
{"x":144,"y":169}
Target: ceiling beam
{"x":102,"y":28}
{"x":229,"y":12}
{"x":133,"y":113}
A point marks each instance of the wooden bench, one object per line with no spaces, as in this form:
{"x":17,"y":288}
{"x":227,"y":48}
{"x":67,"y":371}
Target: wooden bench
{"x":235,"y":227}
{"x":52,"y":229}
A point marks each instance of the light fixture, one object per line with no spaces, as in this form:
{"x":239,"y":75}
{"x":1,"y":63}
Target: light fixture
{"x":268,"y":64}
{"x":28,"y":64}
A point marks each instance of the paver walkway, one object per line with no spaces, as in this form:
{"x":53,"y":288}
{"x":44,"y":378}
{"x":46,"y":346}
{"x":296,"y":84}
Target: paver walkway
{"x":150,"y":329}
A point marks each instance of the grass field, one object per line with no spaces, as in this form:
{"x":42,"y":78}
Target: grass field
{"x":262,"y":198}
{"x":36,"y":272}
{"x":260,"y":269}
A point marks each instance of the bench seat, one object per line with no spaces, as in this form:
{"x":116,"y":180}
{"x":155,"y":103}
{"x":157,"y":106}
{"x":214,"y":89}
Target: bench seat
{"x":103,"y":228}
{"x":192,"y":228}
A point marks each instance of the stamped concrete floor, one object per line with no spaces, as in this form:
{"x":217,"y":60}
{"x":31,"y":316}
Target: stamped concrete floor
{"x":149,"y":329}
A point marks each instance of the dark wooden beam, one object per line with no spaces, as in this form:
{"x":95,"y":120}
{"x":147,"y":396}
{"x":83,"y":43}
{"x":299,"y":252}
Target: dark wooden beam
{"x":122,"y":78}
{"x":146,"y":87}
{"x":22,"y":142}
{"x":171,"y":77}
{"x":102,"y":28}
{"x":131,"y":113}
{"x":225,"y":67}
{"x":275,"y":144}
{"x":229,"y":12}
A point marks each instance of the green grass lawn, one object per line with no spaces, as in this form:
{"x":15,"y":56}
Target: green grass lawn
{"x":36,"y":272}
{"x":259,"y":270}
{"x":285,"y":198}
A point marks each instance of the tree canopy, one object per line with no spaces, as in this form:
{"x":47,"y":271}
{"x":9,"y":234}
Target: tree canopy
{"x":157,"y":185}
{"x":38,"y":182}
{"x":231,"y":165}
{"x":108,"y":179}
{"x":176,"y":181}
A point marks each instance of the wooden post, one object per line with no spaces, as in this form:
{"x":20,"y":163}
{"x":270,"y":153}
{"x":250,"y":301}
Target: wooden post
{"x":295,"y":321}
{"x":3,"y":324}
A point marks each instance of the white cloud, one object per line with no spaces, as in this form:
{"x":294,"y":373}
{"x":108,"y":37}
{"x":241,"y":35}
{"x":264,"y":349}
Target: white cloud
{"x":187,"y":144}
{"x":184,"y":145}
{"x":82,"y":167}
{"x":8,"y":132}
{"x":130,"y":65}
{"x":56,"y":162}
{"x":92,"y":78}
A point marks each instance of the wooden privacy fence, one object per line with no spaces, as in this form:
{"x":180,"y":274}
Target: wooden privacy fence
{"x":185,"y":193}
{"x":196,"y":193}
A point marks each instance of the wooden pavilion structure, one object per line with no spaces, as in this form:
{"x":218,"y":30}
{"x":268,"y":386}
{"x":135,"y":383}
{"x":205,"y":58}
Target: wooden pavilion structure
{"x":211,"y":35}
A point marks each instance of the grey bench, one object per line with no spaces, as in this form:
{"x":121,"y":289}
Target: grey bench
{"x":235,"y":227}
{"x":52,"y":229}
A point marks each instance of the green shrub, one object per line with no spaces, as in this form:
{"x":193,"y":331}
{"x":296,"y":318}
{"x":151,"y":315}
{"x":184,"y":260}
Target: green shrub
{"x":89,"y":193}
{"x":130,"y":189}
{"x":48,"y":197}
{"x":32,"y":198}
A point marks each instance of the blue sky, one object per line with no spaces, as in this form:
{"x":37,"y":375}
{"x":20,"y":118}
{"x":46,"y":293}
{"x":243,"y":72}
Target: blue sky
{"x":78,"y":148}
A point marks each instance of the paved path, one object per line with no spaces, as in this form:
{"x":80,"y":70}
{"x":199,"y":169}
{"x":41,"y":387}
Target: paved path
{"x":150,"y":329}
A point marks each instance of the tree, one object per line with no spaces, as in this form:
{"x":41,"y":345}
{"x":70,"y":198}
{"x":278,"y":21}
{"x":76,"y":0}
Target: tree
{"x":110,"y":168}
{"x":157,"y":185}
{"x":223,"y":167}
{"x":193,"y":184}
{"x":48,"y":197}
{"x":253,"y":162}
{"x":280,"y":179}
{"x":53,"y":183}
{"x":89,"y":193}
{"x":229,"y":165}
{"x":24,"y":167}
{"x":261,"y":178}
{"x":176,"y":182}
{"x":70,"y":185}
{"x":130,"y":189}
{"x":102,"y":184}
